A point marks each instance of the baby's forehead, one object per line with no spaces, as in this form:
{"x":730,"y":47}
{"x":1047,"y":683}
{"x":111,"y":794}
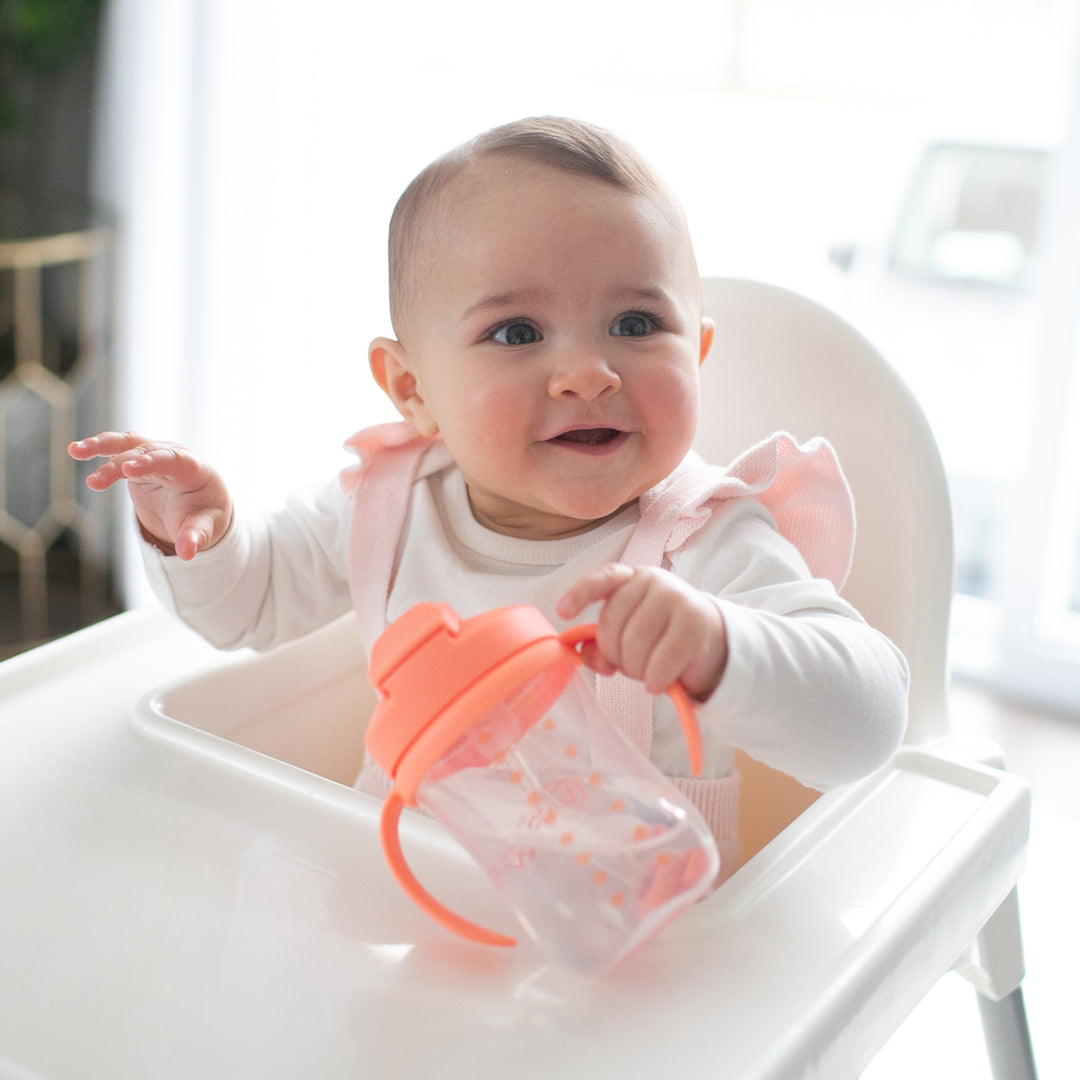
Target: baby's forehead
{"x":467,"y":211}
{"x":476,"y":196}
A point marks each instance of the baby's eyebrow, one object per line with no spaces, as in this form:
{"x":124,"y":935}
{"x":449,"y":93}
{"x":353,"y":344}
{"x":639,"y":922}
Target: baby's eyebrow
{"x":660,"y":296}
{"x":503,"y":300}
{"x":515,"y":297}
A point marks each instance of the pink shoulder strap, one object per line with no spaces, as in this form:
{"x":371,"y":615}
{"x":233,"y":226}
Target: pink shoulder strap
{"x":379,"y":486}
{"x":801,"y":486}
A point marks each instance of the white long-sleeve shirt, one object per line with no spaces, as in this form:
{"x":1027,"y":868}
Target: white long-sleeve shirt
{"x":809,"y":687}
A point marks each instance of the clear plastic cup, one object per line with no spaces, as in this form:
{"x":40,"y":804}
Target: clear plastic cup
{"x":506,"y":745}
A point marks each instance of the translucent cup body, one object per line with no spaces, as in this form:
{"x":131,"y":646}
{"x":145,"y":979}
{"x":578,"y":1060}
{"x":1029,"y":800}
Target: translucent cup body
{"x":593,"y":847}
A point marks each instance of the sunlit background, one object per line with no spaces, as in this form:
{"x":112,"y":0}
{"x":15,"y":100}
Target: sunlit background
{"x":911,"y":163}
{"x":914,"y":164}
{"x":906,"y":161}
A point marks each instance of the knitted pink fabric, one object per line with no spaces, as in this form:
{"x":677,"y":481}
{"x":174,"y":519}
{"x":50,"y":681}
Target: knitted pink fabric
{"x":379,"y":486}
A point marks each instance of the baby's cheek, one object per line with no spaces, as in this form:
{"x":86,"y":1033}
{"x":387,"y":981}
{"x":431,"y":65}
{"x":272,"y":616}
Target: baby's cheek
{"x":499,"y":412}
{"x":669,"y":402}
{"x":488,"y":425}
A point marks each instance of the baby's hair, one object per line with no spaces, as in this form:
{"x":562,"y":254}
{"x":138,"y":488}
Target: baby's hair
{"x":570,"y":145}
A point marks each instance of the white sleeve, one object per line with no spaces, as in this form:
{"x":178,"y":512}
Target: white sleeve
{"x":809,"y":688}
{"x":271,"y":578}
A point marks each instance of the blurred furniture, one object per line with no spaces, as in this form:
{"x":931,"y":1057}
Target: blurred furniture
{"x":191,"y":888}
{"x":53,"y":324}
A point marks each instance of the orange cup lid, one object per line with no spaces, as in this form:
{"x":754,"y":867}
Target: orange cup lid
{"x":429,"y":657}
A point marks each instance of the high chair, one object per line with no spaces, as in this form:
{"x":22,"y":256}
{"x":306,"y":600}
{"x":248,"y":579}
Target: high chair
{"x":783,"y":362}
{"x":194,"y":889}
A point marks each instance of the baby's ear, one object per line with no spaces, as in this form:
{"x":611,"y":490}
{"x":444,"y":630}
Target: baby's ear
{"x":708,"y":332}
{"x":392,"y":371}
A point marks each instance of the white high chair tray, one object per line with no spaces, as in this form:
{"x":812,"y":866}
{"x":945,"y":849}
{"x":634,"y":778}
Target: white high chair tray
{"x":176,"y":904}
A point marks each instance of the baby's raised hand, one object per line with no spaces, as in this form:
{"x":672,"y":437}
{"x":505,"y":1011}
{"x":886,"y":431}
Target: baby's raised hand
{"x":182,"y":504}
{"x":653,"y":626}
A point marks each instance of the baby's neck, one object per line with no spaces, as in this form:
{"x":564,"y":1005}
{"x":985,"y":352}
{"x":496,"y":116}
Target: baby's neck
{"x":531,"y":524}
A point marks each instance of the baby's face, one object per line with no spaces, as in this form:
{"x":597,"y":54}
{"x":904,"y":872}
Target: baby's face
{"x":555,"y":345}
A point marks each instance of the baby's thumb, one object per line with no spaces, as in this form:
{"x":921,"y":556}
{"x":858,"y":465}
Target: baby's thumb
{"x":199,"y":532}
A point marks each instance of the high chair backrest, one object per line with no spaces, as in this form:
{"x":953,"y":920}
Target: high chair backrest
{"x":783,"y":362}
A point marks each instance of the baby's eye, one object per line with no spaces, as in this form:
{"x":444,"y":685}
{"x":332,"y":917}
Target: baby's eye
{"x":516,"y":333}
{"x":634,"y":324}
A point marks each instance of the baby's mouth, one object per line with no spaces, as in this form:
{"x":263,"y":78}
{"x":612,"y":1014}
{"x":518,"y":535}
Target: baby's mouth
{"x":588,"y":436}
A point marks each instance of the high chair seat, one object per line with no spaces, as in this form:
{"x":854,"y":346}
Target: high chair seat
{"x":191,"y":888}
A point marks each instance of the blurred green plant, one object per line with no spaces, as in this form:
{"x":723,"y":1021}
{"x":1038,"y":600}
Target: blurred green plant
{"x":39,"y":37}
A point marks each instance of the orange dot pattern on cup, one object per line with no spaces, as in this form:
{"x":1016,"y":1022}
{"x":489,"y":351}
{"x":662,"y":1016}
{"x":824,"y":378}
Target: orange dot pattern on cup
{"x":535,"y":798}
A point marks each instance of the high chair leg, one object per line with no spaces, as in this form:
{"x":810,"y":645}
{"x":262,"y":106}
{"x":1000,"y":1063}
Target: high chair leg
{"x":995,"y":970}
{"x":1008,"y":1039}
{"x":996,"y":966}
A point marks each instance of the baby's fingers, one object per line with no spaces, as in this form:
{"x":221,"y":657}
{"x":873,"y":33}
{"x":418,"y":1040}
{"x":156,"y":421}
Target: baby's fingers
{"x":129,"y":457}
{"x":104,"y":476}
{"x":132,"y":458}
{"x":106,"y":444}
{"x":594,"y":586}
{"x":171,"y":466}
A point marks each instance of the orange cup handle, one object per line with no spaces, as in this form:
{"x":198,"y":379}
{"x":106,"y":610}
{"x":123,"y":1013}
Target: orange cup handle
{"x":576,"y":635}
{"x":391,"y":843}
{"x":690,"y":727}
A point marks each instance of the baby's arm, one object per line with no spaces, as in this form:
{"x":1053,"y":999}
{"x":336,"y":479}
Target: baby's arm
{"x":653,"y":627}
{"x":809,"y":687}
{"x":182,"y":504}
{"x":801,"y":681}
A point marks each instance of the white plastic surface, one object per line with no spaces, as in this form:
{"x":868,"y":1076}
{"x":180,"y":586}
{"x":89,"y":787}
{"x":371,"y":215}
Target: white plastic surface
{"x":173,"y":904}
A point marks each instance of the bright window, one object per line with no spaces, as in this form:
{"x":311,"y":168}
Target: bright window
{"x":920,"y":142}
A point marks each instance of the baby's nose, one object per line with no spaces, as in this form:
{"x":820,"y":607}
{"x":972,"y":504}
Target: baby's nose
{"x":584,"y":374}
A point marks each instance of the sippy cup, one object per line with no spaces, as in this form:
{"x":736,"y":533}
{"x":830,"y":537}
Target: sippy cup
{"x":489,"y":726}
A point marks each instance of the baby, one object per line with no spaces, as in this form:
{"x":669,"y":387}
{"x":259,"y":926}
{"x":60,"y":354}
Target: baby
{"x":546,"y":308}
